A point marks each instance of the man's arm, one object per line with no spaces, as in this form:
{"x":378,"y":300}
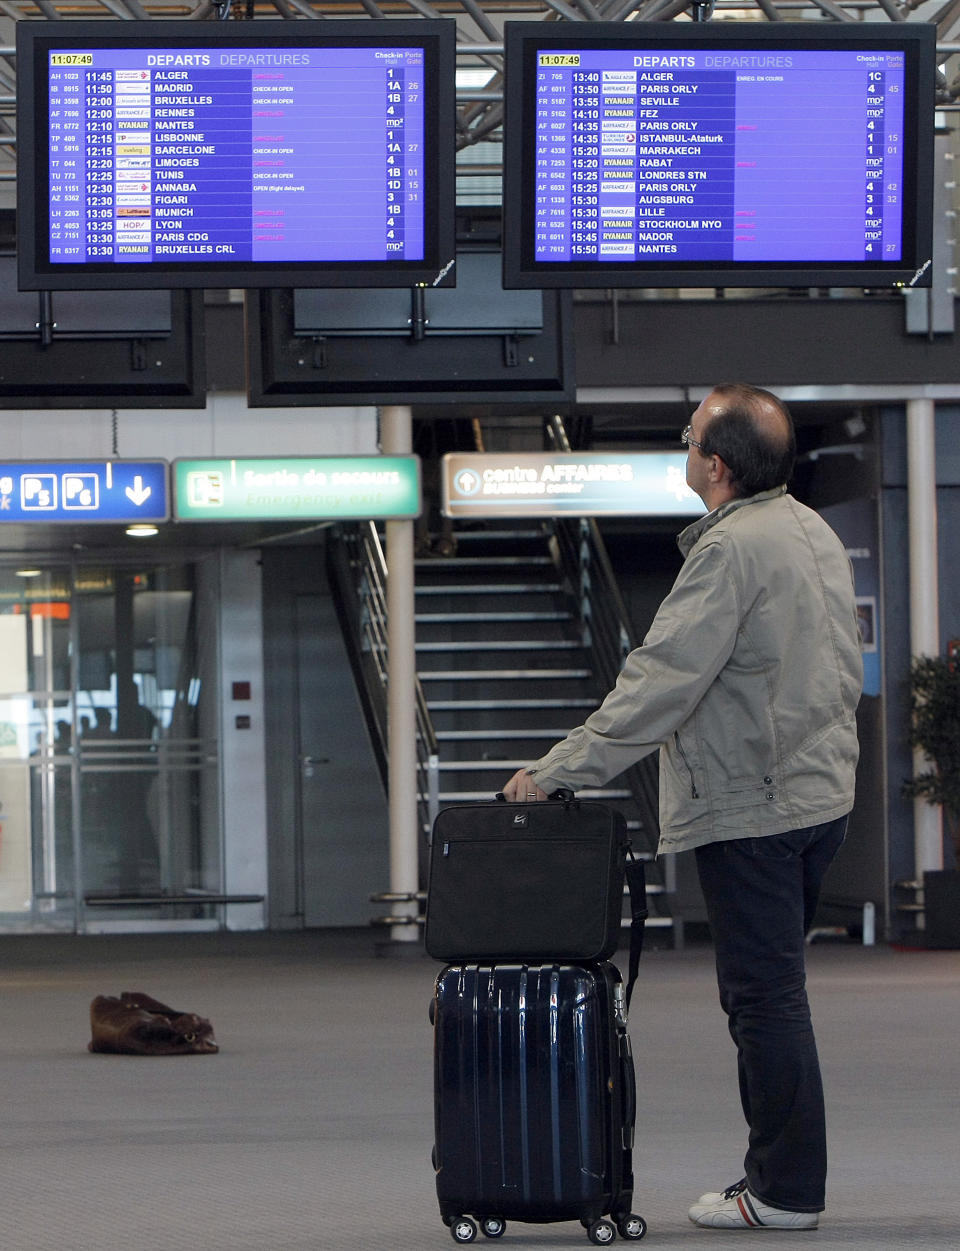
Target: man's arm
{"x":661,"y":683}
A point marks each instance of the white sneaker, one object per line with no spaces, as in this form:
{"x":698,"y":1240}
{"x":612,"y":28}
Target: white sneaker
{"x":737,"y":1208}
{"x":714,"y":1196}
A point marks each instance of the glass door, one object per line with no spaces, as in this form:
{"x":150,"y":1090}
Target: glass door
{"x":37,"y":844}
{"x":109,"y":781}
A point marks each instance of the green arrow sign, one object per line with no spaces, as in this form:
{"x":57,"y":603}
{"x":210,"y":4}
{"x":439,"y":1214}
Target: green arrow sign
{"x":298,"y":488}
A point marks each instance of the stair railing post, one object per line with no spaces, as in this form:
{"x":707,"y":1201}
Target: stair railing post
{"x":397,"y":439}
{"x":583,"y":553}
{"x":433,"y":788}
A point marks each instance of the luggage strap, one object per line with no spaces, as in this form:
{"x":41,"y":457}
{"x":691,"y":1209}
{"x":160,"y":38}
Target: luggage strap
{"x":636,"y":877}
{"x":637,"y":885}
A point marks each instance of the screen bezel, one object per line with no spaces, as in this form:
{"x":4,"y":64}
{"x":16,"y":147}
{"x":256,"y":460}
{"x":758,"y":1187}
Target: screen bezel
{"x":36,"y":39}
{"x":523,"y":40}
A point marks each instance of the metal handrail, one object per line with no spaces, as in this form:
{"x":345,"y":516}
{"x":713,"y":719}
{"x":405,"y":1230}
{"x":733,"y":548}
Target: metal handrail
{"x":360,"y":570}
{"x":606,"y":629}
{"x":145,"y":755}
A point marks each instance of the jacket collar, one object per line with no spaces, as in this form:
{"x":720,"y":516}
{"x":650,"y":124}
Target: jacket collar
{"x":687,"y":538}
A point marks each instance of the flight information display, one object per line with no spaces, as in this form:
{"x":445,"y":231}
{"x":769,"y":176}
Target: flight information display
{"x":163,"y":151}
{"x":718,"y":153}
{"x":735,"y":155}
{"x":315,"y":154}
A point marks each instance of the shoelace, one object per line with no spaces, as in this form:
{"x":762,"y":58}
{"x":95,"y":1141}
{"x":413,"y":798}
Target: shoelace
{"x":737,"y":1189}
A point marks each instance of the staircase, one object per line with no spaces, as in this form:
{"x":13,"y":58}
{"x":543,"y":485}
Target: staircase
{"x":504,"y":661}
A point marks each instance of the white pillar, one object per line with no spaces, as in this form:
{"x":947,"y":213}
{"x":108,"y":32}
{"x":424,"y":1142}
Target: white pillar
{"x":924,"y":599}
{"x":243,"y":752}
{"x":396,"y":434}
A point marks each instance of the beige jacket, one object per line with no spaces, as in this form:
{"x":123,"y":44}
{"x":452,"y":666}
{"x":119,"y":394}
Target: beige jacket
{"x":748,"y":681}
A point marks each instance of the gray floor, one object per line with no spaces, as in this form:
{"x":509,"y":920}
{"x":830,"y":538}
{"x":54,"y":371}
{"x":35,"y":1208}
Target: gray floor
{"x":312,"y":1127}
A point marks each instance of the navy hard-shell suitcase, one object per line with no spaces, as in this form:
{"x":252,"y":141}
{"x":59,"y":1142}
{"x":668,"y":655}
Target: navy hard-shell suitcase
{"x":534,"y":1099}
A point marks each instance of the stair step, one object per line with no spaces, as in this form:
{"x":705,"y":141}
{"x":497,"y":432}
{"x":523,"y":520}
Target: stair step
{"x":490,"y":588}
{"x":499,"y":675}
{"x":439,"y":618}
{"x":466,"y":563}
{"x":471,"y":535}
{"x":465,"y":705}
{"x":466,"y":736}
{"x":490,"y":766}
{"x":501,"y":645}
{"x":502,"y":766}
{"x":448,"y":797}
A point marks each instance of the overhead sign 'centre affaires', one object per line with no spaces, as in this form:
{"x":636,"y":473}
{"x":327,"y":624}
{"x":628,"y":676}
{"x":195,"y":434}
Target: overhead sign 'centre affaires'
{"x":584,"y":484}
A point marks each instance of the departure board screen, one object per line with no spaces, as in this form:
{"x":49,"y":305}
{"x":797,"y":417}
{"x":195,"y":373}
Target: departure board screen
{"x":162,"y":154}
{"x":723,"y":153}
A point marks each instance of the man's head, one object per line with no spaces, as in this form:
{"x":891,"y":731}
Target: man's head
{"x":746,"y":444}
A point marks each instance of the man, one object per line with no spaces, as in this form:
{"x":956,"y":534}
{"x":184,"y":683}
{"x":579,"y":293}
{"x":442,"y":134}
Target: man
{"x":748,"y":682}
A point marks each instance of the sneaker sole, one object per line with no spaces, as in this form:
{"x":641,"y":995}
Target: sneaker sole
{"x":733,"y":1224}
{"x":737,"y":1213}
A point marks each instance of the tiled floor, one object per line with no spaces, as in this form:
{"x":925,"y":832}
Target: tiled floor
{"x":312,"y":1128}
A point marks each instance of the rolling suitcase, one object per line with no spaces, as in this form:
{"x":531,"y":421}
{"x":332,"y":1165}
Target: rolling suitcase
{"x":534,"y":1099}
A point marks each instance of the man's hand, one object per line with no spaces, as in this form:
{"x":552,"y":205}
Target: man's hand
{"x":522,"y":788}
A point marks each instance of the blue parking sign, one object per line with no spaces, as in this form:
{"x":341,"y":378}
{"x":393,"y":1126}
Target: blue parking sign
{"x":118,"y":491}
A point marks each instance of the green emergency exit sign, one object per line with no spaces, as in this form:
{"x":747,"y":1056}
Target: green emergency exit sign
{"x":297,"y":488}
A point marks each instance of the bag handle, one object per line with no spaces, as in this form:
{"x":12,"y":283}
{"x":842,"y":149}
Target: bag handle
{"x":564,"y":796}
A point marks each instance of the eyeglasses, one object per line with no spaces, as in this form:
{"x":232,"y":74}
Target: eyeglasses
{"x":685,"y":438}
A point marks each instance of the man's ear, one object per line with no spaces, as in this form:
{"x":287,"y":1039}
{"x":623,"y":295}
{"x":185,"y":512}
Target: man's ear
{"x":718,"y":470}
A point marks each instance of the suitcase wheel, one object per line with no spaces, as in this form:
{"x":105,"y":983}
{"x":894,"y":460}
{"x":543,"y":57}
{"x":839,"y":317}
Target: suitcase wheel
{"x":632,"y":1226}
{"x":463,"y":1229}
{"x":602,"y":1233}
{"x":493,"y":1226}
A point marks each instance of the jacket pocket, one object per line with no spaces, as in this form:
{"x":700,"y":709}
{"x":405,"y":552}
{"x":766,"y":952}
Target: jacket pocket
{"x":694,"y":793}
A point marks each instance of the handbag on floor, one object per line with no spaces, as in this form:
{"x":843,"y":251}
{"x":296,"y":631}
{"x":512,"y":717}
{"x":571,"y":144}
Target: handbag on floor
{"x":135,"y":1024}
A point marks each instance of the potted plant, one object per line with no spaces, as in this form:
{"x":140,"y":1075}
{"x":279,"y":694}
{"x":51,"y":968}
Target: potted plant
{"x":935,"y":728}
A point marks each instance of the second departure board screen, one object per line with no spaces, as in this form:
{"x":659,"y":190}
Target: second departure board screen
{"x":171,"y":154}
{"x":708,"y":151}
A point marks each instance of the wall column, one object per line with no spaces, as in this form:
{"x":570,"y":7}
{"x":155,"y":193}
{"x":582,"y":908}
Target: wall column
{"x":924,"y":599}
{"x":397,"y":440}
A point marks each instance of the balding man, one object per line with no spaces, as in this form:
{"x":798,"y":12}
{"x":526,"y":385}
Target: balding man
{"x":748,"y":682}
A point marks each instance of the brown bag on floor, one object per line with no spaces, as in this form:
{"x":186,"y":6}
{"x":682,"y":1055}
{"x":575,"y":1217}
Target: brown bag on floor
{"x":137,"y":1025}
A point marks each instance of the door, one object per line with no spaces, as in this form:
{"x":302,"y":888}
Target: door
{"x":343,"y":834}
{"x":37,"y":836}
{"x":107,"y":786}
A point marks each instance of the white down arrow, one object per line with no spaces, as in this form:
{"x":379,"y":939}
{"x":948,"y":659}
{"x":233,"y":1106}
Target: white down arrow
{"x":138,"y":494}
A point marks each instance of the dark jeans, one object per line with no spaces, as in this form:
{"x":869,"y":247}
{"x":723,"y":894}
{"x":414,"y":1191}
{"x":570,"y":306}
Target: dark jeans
{"x":761,"y":894}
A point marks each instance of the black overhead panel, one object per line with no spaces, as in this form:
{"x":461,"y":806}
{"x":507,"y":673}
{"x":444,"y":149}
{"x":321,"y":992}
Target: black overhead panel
{"x":472,"y":344}
{"x":106,"y":349}
{"x":777,"y":342}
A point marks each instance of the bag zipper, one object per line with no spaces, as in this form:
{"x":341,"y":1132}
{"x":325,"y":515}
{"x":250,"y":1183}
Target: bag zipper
{"x":694,"y":794}
{"x":512,"y":839}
